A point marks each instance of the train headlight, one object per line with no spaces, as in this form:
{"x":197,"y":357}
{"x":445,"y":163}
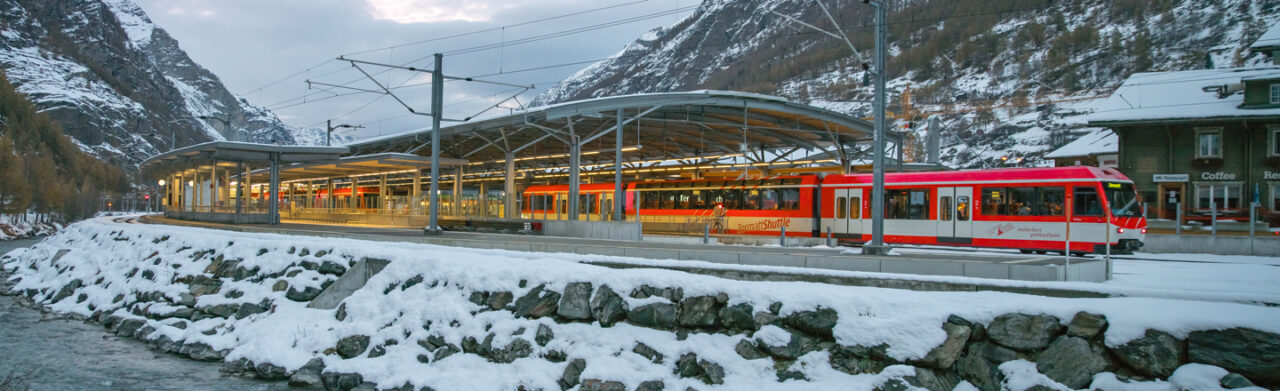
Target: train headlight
{"x":1119,"y":230}
{"x":1143,"y":231}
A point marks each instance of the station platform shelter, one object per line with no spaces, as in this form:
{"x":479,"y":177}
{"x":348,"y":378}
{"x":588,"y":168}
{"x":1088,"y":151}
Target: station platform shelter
{"x":484,"y":164}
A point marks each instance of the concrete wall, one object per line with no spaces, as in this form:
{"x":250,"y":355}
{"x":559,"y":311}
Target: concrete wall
{"x":1266,"y":246}
{"x":223,"y":218}
{"x":614,"y":230}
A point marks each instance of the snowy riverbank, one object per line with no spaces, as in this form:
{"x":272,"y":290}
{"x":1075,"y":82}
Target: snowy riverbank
{"x":451,"y":318}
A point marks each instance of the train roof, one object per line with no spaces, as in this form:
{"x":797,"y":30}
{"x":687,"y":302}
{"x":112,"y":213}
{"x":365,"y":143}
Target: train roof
{"x":990,"y":175}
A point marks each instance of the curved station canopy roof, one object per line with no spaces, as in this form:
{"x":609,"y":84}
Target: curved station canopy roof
{"x":677,"y":125}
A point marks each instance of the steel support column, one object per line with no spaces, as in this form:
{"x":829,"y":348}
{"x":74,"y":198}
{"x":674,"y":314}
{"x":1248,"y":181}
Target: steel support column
{"x":415,"y":194}
{"x":618,"y":199}
{"x":274,"y":203}
{"x":509,"y":187}
{"x":575,"y":157}
{"x":239,"y":190}
{"x":213,"y":180}
{"x":437,"y":94}
{"x":457,"y":192}
{"x":877,"y":181}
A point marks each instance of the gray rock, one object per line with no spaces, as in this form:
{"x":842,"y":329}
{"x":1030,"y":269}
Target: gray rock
{"x":67,"y":290}
{"x":500,"y":300}
{"x":749,"y":350}
{"x":543,"y":335}
{"x":478,"y":298}
{"x":270,"y":372}
{"x":129,"y":326}
{"x":689,"y":366}
{"x":222,"y":310}
{"x":651,"y":385}
{"x":248,"y":309}
{"x":797,"y":346}
{"x":945,"y":355}
{"x":341,"y":381}
{"x":1086,"y":325}
{"x":980,"y":372}
{"x":1252,"y":353}
{"x":698,"y":311}
{"x":655,"y":315}
{"x":306,"y":294}
{"x":766,"y":318}
{"x":201,"y":352}
{"x":1233,"y":381}
{"x":571,"y":373}
{"x":308,"y":375}
{"x":992,"y":352}
{"x":738,"y":318}
{"x":576,"y":302}
{"x":608,"y":307}
{"x":470,"y":345}
{"x":672,"y":294}
{"x":933,"y":380}
{"x":979,"y":332}
{"x":341,"y":313}
{"x":856,"y":360}
{"x":1072,"y":361}
{"x":1024,"y":332}
{"x":601,"y":385}
{"x":1156,"y":354}
{"x":517,"y":349}
{"x":537,"y":303}
{"x":953,"y":319}
{"x":818,"y":323}
{"x":366,"y":386}
{"x":352,"y":346}
{"x":648,"y":352}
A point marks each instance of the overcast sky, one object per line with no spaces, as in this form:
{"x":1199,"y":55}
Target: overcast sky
{"x":252,"y":43}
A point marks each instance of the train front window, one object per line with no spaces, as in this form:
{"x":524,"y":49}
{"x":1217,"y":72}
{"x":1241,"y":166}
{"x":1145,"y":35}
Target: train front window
{"x":1123,"y":200}
{"x":1086,"y":202}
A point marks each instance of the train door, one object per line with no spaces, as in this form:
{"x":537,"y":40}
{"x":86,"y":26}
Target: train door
{"x":954,"y":223}
{"x":847,"y":213}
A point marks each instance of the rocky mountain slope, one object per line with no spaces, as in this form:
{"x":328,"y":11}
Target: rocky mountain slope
{"x":1009,"y":78}
{"x":119,"y":85}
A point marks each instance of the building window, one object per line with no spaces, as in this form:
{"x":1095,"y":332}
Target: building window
{"x":1209,"y":143}
{"x":1275,"y":196}
{"x":1223,"y":195}
{"x":1275,"y":94}
{"x":1274,"y":146}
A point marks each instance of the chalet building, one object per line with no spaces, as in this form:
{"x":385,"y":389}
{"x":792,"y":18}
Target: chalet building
{"x":1098,"y":148}
{"x":1189,"y":137}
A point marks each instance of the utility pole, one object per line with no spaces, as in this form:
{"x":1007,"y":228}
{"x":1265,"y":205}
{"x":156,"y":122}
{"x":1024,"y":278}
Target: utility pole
{"x":328,"y":134}
{"x":877,"y":246}
{"x":437,"y":96}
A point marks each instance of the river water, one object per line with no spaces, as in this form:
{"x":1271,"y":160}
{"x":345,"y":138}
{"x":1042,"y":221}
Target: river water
{"x":51,"y":353}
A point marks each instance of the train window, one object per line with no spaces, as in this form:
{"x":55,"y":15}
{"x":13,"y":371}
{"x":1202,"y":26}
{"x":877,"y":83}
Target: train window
{"x":840,"y":207}
{"x":1087,"y":202}
{"x":944,"y":208}
{"x":697,"y":199}
{"x":682,"y":199}
{"x":790,"y":199}
{"x":962,"y":208}
{"x":907,"y":204}
{"x":668,"y":200}
{"x":769,"y":199}
{"x":1052,"y":200}
{"x":751,"y":200}
{"x":993,"y":201}
{"x":1022,"y":201}
{"x":855,"y":207}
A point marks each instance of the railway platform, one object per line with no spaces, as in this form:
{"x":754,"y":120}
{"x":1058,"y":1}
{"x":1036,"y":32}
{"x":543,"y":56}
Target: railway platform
{"x":810,"y":263}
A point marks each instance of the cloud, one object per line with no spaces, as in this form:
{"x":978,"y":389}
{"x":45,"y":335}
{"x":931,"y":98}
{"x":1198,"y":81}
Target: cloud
{"x":428,"y":11}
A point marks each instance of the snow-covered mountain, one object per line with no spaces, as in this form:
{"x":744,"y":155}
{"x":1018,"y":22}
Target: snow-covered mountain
{"x":119,"y":85}
{"x":1008,"y":78}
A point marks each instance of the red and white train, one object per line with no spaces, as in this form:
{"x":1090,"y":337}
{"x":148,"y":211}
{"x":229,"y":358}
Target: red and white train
{"x":1030,"y":209}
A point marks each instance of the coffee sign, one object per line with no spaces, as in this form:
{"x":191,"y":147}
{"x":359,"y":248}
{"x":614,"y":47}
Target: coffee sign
{"x":1217,"y":176}
{"x":1170,"y":178}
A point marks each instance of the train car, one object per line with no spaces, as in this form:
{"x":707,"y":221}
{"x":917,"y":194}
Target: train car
{"x":757,"y":206}
{"x":551,"y":202}
{"x":1030,"y":209}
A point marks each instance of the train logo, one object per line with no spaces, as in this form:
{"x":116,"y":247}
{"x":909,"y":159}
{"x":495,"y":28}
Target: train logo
{"x":1001,"y":229}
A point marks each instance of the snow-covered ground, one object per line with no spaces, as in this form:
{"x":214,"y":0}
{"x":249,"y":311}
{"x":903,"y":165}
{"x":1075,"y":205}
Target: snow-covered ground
{"x":12,"y":227}
{"x":396,"y":314}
